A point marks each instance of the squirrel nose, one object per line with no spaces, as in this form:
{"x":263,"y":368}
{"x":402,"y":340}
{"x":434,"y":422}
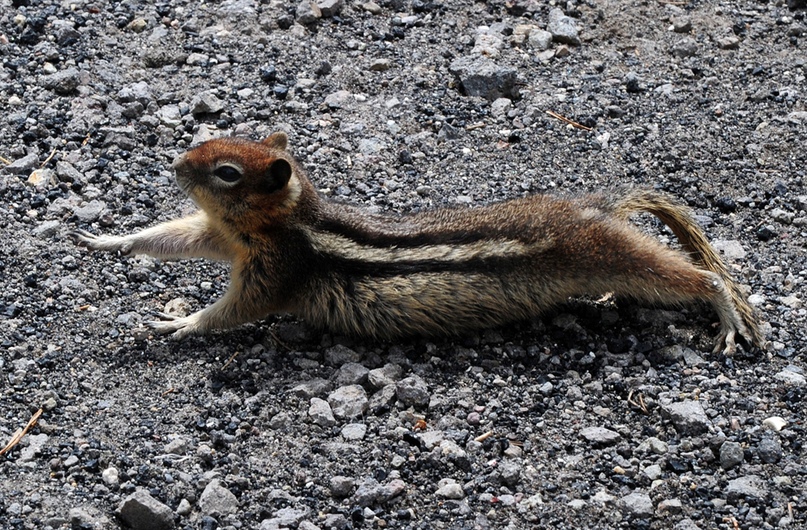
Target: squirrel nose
{"x":178,"y":161}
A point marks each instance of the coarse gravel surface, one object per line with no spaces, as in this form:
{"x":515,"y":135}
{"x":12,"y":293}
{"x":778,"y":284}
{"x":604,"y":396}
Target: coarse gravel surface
{"x":600,"y":415}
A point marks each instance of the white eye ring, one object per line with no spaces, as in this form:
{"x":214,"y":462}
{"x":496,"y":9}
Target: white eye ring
{"x":228,"y":173}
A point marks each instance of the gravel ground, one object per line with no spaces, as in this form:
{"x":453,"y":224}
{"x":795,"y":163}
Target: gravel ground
{"x":600,"y":415}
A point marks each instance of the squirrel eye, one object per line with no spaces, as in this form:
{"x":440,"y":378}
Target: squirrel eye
{"x":227,"y":173}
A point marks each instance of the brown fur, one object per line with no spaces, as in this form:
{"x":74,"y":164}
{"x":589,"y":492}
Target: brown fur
{"x":445,"y":271}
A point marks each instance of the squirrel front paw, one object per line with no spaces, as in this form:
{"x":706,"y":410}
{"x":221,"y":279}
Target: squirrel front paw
{"x":178,"y":327}
{"x":83,"y":238}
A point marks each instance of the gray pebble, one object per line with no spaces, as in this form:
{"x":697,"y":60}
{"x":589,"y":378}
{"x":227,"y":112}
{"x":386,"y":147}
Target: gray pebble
{"x":674,"y":506}
{"x":339,"y":355}
{"x":681,"y":24}
{"x":63,"y":82}
{"x":510,"y":473}
{"x":24,"y":165}
{"x":500,"y":107}
{"x":688,"y":417}
{"x":685,"y":47}
{"x":141,"y":511}
{"x":110,"y":477}
{"x":751,"y":486}
{"x":383,"y":399}
{"x":35,"y":444}
{"x":354,"y":431}
{"x":351,"y":374}
{"x":341,"y":487}
{"x":46,"y":229}
{"x":770,"y":450}
{"x":731,"y":455}
{"x":348,"y":402}
{"x":413,"y":391}
{"x":638,"y":504}
{"x":308,"y":12}
{"x":600,"y":435}
{"x":449,"y":489}
{"x":380,"y":65}
{"x":481,"y":77}
{"x":653,"y":471}
{"x":329,"y":8}
{"x":562,"y":28}
{"x":686,"y":524}
{"x":216,"y":499}
{"x":386,"y":375}
{"x":320,"y":413}
{"x":312,"y":388}
{"x":177,"y":446}
{"x":791,"y":377}
{"x":206,"y":103}
{"x":540,"y":39}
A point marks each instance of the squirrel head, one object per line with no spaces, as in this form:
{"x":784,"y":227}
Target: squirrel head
{"x":245,"y":185}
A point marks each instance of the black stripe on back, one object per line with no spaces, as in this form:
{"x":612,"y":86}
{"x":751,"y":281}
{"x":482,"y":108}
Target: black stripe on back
{"x":419,"y":239}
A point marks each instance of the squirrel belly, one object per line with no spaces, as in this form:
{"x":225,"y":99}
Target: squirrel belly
{"x":440,"y":272}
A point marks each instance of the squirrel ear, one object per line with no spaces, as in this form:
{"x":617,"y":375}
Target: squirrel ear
{"x":277,"y":175}
{"x":277,"y":140}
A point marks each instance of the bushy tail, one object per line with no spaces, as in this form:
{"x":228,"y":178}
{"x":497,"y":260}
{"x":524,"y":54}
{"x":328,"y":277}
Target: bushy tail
{"x":694,"y":242}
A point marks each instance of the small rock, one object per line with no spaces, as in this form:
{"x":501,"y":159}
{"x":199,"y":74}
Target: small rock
{"x":206,"y":103}
{"x":216,"y":499}
{"x":42,"y":178}
{"x":308,"y":12}
{"x":313,"y":388}
{"x":729,"y":42}
{"x":63,"y":82}
{"x":320,"y":413}
{"x":540,"y":40}
{"x":388,"y":374}
{"x":383,"y":399}
{"x":731,"y":250}
{"x":600,"y":435}
{"x":481,"y":77}
{"x":110,"y":477}
{"x":751,"y":486}
{"x":341,"y":487}
{"x":681,"y":24}
{"x":790,"y":377}
{"x":769,"y":450}
{"x":413,"y":391}
{"x":351,"y":374}
{"x":562,"y":28}
{"x":654,"y":445}
{"x":330,"y":8}
{"x":686,"y":524}
{"x":354,"y":431}
{"x":339,"y":355}
{"x":90,"y":212}
{"x":487,"y":44}
{"x":638,"y":504}
{"x":372,"y":8}
{"x":177,"y":446}
{"x":22,"y":166}
{"x":35,"y":444}
{"x":449,"y":489}
{"x":731,"y":455}
{"x":653,"y":471}
{"x":380,"y":65}
{"x":184,"y":507}
{"x":684,"y":48}
{"x":674,"y":506}
{"x":141,"y":511}
{"x":632,"y":83}
{"x":348,"y":402}
{"x":774,"y":423}
{"x":688,"y":417}
{"x":500,"y":107}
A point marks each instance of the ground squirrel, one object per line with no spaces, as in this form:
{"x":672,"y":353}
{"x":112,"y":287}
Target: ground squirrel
{"x":438,"y":272}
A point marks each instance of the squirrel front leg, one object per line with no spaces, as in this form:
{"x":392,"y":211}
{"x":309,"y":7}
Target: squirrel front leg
{"x":237,"y":306}
{"x":189,"y":237}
